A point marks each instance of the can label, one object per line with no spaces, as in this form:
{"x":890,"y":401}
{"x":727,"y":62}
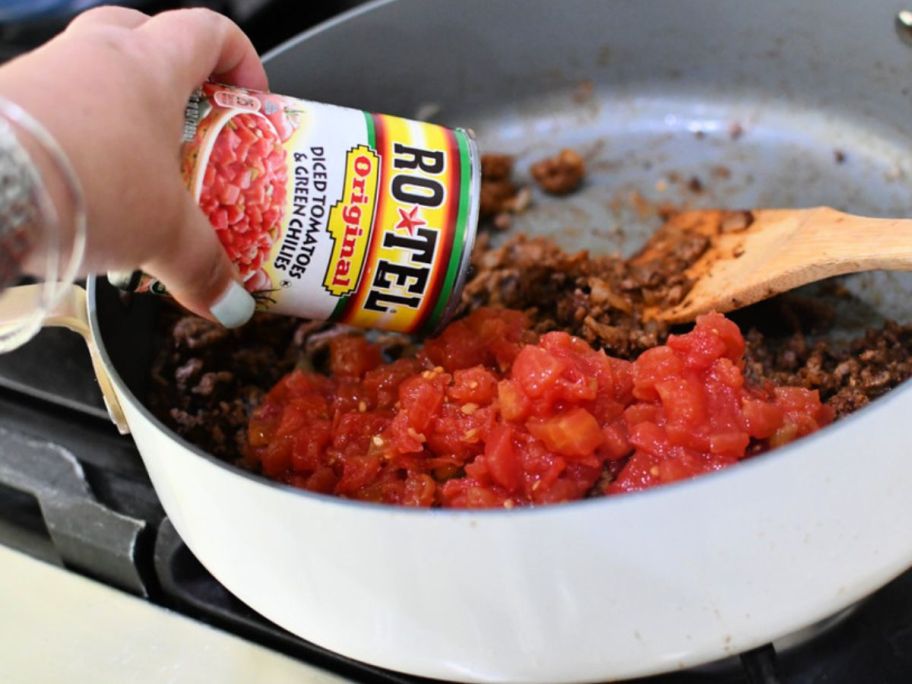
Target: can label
{"x":333,"y":213}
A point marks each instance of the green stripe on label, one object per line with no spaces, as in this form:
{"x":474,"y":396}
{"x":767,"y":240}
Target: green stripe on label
{"x":339,"y":310}
{"x":371,"y":134}
{"x":459,"y":246}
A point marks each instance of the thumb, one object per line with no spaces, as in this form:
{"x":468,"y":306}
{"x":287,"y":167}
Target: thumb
{"x":197,"y":271}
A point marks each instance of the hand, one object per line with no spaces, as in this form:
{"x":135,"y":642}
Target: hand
{"x":112,"y":90}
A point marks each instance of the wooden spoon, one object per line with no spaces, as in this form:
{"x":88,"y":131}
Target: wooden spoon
{"x":753,"y":255}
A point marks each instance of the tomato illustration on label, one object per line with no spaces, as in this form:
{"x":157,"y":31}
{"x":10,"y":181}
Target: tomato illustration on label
{"x":243,"y":193}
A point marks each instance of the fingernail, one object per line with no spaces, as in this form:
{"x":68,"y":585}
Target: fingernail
{"x":234,"y":307}
{"x":125,"y":280}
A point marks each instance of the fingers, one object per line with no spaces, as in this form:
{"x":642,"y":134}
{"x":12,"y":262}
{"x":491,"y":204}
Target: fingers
{"x":179,"y":50}
{"x":197,"y":272}
{"x":109,"y":16}
{"x":201,"y":44}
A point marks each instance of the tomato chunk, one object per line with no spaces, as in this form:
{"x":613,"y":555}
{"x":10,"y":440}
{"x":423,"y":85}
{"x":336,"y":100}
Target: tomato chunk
{"x":574,"y":433}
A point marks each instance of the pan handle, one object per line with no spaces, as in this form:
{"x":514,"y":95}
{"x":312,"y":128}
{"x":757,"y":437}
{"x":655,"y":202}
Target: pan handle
{"x":20,"y":303}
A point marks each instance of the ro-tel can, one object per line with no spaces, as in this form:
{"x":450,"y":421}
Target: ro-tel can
{"x":332,"y":213}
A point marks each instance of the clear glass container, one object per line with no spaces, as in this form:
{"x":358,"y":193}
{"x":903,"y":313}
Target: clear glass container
{"x":51,"y":242}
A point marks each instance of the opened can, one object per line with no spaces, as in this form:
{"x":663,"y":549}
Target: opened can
{"x":332,"y":213}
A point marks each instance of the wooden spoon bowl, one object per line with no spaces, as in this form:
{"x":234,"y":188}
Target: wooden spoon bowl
{"x":754,"y":255}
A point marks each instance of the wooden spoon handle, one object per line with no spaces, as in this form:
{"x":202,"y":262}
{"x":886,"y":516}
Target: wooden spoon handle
{"x":831,"y":243}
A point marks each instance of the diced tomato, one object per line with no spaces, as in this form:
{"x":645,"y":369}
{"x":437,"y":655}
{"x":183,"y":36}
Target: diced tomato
{"x":712,"y":338}
{"x":466,"y":493}
{"x":653,"y":366}
{"x":514,"y":404}
{"x":536,"y":370}
{"x":419,"y":490}
{"x":358,"y":471}
{"x":460,"y":435}
{"x":354,"y":431}
{"x":574,"y":433}
{"x":309,"y":445}
{"x":473,"y":385}
{"x":323,"y":480}
{"x":683,"y":400}
{"x":421,"y":398}
{"x":489,"y":415}
{"x":489,"y":337}
{"x":762,"y":417}
{"x":502,"y":461}
{"x":352,"y":355}
{"x":615,"y":444}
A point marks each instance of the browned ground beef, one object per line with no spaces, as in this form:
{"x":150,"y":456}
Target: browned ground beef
{"x":498,"y":192}
{"x":560,"y":174}
{"x":206,"y":379}
{"x":848,"y":377}
{"x":598,"y":298}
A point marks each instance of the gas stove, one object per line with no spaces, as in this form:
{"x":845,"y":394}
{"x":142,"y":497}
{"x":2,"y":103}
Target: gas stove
{"x":75,"y":494}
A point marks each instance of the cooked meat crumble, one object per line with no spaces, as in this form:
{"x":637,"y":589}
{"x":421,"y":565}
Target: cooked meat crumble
{"x":847,"y":377}
{"x":560,"y":174}
{"x":498,"y":192}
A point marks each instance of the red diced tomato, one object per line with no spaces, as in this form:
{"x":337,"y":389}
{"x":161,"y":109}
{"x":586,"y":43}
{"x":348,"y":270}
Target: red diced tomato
{"x":536,"y":370}
{"x":491,"y":416}
{"x":420,"y":398}
{"x":501,"y":458}
{"x":654,"y":365}
{"x":309,"y":444}
{"x":245,"y":176}
{"x":683,"y":400}
{"x":574,"y":433}
{"x":731,"y":444}
{"x":219,"y":219}
{"x":352,"y":356}
{"x":514,"y":404}
{"x":615,"y":444}
{"x":382,"y":383}
{"x":763,"y":418}
{"x":358,"y":471}
{"x":473,"y":385}
{"x":420,"y":490}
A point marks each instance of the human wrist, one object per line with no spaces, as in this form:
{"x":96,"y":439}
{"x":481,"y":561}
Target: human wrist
{"x":42,"y":215}
{"x":59,"y":214}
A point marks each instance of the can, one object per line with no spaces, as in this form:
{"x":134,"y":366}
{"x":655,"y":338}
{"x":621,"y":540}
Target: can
{"x":331,"y":213}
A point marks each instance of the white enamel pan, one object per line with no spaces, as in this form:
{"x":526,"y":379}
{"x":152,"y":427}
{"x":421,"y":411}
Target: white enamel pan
{"x":801,"y":102}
